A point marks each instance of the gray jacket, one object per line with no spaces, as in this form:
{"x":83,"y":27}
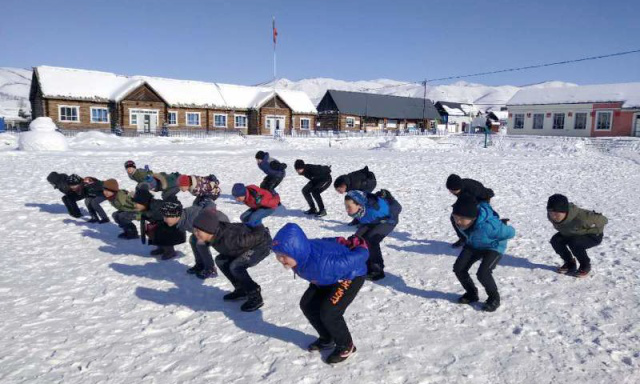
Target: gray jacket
{"x":190,"y":214}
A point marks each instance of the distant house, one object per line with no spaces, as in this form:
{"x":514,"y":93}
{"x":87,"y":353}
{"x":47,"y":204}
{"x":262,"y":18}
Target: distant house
{"x":591,"y":110}
{"x":82,"y":99}
{"x":355,"y":111}
{"x":460,"y":115}
{"x":499,"y":119}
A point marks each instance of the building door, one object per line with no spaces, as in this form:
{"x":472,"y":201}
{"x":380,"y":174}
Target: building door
{"x":275,"y":124}
{"x":145,"y":120}
{"x":636,"y":126}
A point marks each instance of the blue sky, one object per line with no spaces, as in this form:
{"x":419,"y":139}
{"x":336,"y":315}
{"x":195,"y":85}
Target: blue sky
{"x":230,"y":41}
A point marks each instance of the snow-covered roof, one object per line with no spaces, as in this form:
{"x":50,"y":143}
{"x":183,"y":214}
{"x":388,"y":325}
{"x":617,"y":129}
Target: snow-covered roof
{"x":453,"y":111}
{"x":80,"y":84}
{"x":628,"y":93}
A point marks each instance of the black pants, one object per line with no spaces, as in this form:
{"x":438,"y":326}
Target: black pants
{"x":94,"y":207}
{"x":125,"y":219}
{"x":166,"y":236}
{"x":369,"y":185}
{"x":70,"y":201}
{"x":467,"y":258}
{"x":202,"y":254}
{"x":235,"y":267}
{"x":374,"y":234}
{"x":565,"y":246}
{"x":453,"y":223}
{"x":324,"y":307}
{"x":313,"y":189}
{"x":169,"y":194}
{"x":271,"y":182}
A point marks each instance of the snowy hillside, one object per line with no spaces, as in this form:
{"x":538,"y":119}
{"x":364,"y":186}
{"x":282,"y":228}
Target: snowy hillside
{"x":80,"y":305}
{"x":14,"y":91}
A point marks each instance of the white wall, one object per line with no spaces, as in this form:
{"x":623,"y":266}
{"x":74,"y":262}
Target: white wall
{"x":547,"y":130}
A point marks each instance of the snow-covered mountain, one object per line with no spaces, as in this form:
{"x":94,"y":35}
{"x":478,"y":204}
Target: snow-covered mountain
{"x":14,"y":91}
{"x":15,"y":83}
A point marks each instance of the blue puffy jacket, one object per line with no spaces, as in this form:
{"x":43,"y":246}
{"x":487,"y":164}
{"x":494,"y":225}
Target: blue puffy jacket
{"x":320,"y":261}
{"x":266,"y":166}
{"x":488,"y":232}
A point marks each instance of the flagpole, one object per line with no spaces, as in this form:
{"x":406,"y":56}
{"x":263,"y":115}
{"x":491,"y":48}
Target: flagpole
{"x":274,"y":53}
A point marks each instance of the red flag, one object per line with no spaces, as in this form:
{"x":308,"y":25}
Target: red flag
{"x":275,"y":31}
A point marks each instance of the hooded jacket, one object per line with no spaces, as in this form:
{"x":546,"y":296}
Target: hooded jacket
{"x":236,"y":239}
{"x":320,"y":261}
{"x":256,"y":198}
{"x":580,"y":222}
{"x":272,"y":167}
{"x":488,"y":232}
{"x":357,"y":180}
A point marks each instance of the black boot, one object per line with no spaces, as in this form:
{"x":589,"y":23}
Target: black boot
{"x":93,"y":219}
{"x":322,"y":213}
{"x":194,"y":270}
{"x":492,"y":303}
{"x":253,"y":302}
{"x":207,"y":273}
{"x":103,"y":221}
{"x":321,"y":344}
{"x":237,"y":294}
{"x":311,"y":211}
{"x":157,"y":251}
{"x":341,"y":354}
{"x":568,"y":268}
{"x":168,"y":253}
{"x":375,"y":272}
{"x":468,"y":298}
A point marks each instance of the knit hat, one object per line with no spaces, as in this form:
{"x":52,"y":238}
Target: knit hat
{"x":111,"y":185}
{"x":466,"y":206}
{"x":207,"y":221}
{"x":184,"y":181}
{"x":53,"y":177}
{"x":129,"y":164}
{"x":238,"y":190}
{"x":340,"y":181}
{"x":558,"y":203}
{"x":299,"y":164}
{"x":171,"y":209}
{"x":143,"y":196}
{"x":358,"y":196}
{"x":260,"y":155}
{"x":74,"y":179}
{"x":454,"y":182}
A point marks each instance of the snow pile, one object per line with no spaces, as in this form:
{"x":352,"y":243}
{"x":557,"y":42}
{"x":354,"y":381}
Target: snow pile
{"x":42,"y":136}
{"x":8,"y":141}
{"x":96,"y":139}
{"x":408,"y":143}
{"x":628,"y":93}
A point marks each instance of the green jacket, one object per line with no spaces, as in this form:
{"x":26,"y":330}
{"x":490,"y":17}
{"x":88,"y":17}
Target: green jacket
{"x":581,"y":222}
{"x":167,"y":180}
{"x":122,"y":201}
{"x":140,"y":175}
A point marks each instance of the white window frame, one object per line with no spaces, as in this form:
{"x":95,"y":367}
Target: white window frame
{"x":533,"y":124}
{"x":353,"y":122}
{"x":76,"y":107}
{"x":235,"y":122}
{"x":598,"y":113}
{"x":199,"y":119}
{"x":169,"y":120}
{"x":308,"y":125}
{"x":564,"y":120}
{"x":99,"y":122}
{"x":215,"y":125}
{"x":515,"y":119}
{"x":575,"y":120}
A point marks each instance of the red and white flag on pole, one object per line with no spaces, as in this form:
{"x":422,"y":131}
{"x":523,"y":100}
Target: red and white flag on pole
{"x":275,"y":31}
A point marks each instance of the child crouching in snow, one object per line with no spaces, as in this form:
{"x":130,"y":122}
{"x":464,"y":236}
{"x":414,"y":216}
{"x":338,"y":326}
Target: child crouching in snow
{"x":485,"y":237}
{"x":206,"y":189}
{"x":152,"y":224}
{"x":578,"y":230}
{"x":126,"y":208}
{"x":261,"y":203}
{"x":336,"y":270}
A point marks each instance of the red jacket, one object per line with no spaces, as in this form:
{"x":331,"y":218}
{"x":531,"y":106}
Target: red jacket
{"x":257,"y":197}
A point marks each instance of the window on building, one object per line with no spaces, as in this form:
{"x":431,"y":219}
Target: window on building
{"x":241,"y":121}
{"x":558,"y":121}
{"x":99,"y":115}
{"x":518,"y":121}
{"x":538,"y":120}
{"x":351,"y":122}
{"x":193,"y":119}
{"x":581,"y":121}
{"x":603,"y":121}
{"x":134,"y":119}
{"x":305,"y":123}
{"x":392,"y":123}
{"x":172,"y":118}
{"x":220,"y":121}
{"x":68,"y":113}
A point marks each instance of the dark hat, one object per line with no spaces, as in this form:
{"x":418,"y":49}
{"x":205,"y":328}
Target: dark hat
{"x":207,"y":221}
{"x":53,"y":177}
{"x":299,"y":164}
{"x":238,"y":190}
{"x":340,"y":180}
{"x":466,"y":206}
{"x":171,"y":209}
{"x":129,"y":164}
{"x":454,"y":182}
{"x":74,"y":179}
{"x":358,"y":197}
{"x":260,"y":155}
{"x":558,"y":203}
{"x":143,"y":196}
{"x":111,"y":185}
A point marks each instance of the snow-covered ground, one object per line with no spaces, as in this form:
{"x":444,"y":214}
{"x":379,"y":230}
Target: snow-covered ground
{"x":79,"y":305}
